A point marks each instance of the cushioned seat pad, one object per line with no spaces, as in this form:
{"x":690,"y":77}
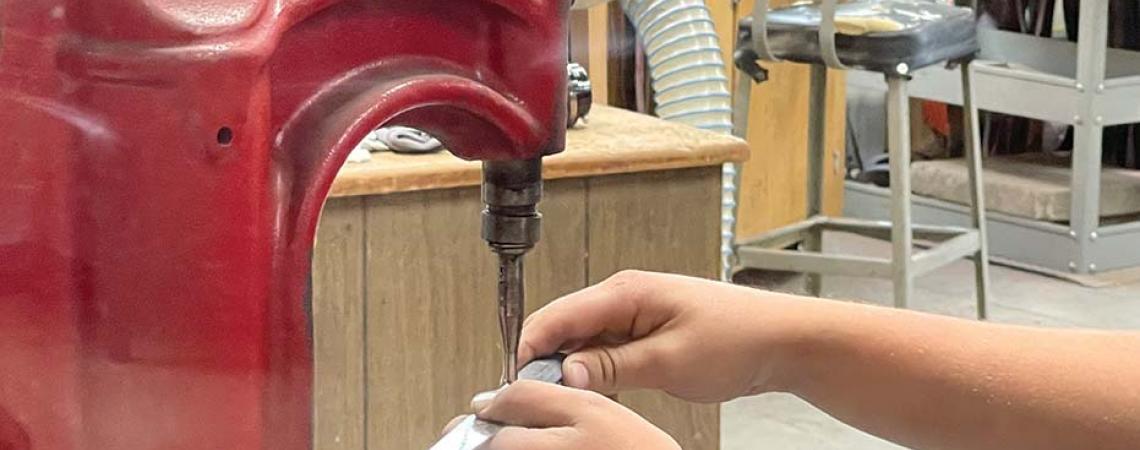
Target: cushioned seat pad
{"x":875,"y":35}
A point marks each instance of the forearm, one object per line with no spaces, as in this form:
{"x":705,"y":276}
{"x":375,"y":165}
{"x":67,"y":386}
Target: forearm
{"x":938,"y":383}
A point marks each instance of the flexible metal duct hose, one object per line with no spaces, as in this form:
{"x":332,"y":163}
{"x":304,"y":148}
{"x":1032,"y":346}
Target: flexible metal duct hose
{"x":690,"y":82}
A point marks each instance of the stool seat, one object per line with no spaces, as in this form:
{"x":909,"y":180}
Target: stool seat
{"x":874,"y":35}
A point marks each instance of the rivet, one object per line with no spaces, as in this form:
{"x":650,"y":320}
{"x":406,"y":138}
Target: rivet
{"x":1100,"y":87}
{"x":1072,"y":266}
{"x":1093,"y":236}
{"x":1092,"y":267}
{"x":902,"y":68}
{"x":1080,"y":87}
{"x":1099,"y":120}
{"x":1073,"y":234}
{"x":1077,"y":120}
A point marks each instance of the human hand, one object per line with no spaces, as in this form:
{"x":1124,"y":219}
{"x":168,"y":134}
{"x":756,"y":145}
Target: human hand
{"x":698,"y":340}
{"x":543,"y":416}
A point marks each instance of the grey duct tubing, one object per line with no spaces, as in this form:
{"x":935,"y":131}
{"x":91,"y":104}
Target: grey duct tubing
{"x":690,"y":84}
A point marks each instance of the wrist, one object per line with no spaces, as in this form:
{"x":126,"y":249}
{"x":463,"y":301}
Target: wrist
{"x":797,"y":334}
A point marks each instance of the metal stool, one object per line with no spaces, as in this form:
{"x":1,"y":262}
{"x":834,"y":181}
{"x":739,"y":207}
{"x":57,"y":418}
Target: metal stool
{"x":920,"y":33}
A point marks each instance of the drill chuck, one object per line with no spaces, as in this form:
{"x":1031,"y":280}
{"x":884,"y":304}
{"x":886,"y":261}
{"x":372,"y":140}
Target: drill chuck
{"x":510,"y":234}
{"x":511,"y":192}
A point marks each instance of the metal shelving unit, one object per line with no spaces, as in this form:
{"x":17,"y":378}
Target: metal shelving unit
{"x":1085,"y":85}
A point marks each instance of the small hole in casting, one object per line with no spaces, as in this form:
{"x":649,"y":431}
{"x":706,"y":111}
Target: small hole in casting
{"x":225,"y":136}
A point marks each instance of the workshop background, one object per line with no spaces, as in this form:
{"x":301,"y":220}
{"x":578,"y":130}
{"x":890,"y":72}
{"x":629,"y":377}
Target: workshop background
{"x":400,"y":334}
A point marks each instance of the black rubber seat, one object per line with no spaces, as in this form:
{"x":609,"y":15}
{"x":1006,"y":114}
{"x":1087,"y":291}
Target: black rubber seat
{"x":875,"y":35}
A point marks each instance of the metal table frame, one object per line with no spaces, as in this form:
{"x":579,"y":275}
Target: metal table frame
{"x":1085,"y":85}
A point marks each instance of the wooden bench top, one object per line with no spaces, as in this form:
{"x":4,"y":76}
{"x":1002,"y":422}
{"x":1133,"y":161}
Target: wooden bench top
{"x":615,"y":141}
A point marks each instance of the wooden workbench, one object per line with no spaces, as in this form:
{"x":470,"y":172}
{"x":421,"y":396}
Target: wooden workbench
{"x":405,"y":326}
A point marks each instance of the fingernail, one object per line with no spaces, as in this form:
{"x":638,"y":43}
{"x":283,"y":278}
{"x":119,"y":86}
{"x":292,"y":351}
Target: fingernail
{"x":483,"y":399}
{"x":452,"y":424}
{"x":576,"y":375}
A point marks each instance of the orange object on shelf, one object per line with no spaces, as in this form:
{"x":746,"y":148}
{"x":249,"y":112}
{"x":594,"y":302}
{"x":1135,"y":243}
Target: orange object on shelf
{"x":937,"y":116}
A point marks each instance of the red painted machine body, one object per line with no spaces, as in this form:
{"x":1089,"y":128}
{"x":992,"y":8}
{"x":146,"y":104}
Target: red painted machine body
{"x":163,"y":164}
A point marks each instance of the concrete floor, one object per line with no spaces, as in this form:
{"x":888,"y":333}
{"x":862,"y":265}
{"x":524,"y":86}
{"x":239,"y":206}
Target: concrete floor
{"x":779,"y":421}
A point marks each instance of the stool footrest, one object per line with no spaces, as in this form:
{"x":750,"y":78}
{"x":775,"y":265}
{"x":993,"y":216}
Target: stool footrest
{"x":767,"y":251}
{"x":946,"y":252}
{"x":806,"y":262}
{"x":882,"y":229}
{"x":784,"y":236}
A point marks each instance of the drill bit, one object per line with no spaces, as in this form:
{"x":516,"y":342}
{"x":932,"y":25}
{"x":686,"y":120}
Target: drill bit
{"x":512,"y":302}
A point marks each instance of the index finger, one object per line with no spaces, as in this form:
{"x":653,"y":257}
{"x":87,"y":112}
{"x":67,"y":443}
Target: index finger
{"x":616,"y":306}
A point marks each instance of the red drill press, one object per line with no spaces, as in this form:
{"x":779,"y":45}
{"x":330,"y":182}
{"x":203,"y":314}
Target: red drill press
{"x":163,"y":164}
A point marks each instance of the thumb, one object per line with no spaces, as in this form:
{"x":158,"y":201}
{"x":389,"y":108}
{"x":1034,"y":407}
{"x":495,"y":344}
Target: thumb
{"x":608,"y":370}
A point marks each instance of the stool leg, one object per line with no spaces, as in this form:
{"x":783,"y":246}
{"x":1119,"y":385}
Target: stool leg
{"x":973,"y":145}
{"x":817,"y":125}
{"x":898,"y":142}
